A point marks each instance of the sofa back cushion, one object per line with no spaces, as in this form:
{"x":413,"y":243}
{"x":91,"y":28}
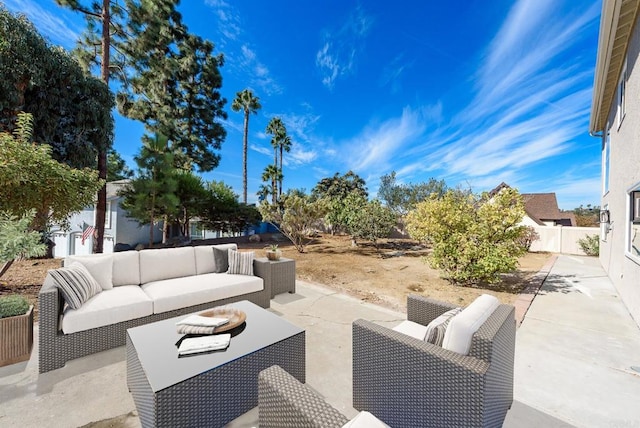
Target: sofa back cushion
{"x":205,"y":260}
{"x":126,"y":268}
{"x":166,"y":263}
{"x":100,"y":266}
{"x":463,"y":326}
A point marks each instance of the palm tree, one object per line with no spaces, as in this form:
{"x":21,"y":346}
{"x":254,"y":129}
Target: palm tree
{"x":273,"y":173}
{"x":277,"y":129}
{"x":247,"y":102}
{"x":285,"y":144}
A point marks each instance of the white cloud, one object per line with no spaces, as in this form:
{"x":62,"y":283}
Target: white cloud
{"x":529,"y":102}
{"x":228,"y":19}
{"x":55,"y":27}
{"x":261,"y":149}
{"x":258,"y":73}
{"x":341,"y":48}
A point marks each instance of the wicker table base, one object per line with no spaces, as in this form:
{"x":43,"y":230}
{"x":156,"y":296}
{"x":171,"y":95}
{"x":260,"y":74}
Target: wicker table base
{"x":283,"y":275}
{"x":209,"y":389}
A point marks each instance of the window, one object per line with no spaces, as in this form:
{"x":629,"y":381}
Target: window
{"x":606,"y":153}
{"x":633,"y":231}
{"x":622,"y":87}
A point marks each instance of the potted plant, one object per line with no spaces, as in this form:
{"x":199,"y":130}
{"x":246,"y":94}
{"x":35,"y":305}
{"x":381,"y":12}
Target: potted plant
{"x":273,"y":253}
{"x":16,"y":329}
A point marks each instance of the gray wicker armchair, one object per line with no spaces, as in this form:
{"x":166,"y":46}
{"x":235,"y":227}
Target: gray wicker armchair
{"x":285,"y":402}
{"x":407,"y":382}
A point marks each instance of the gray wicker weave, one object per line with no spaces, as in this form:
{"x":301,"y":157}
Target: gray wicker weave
{"x":56,"y":348}
{"x":407,"y":382}
{"x":285,"y":402}
{"x":283,"y":276}
{"x":208,"y":390}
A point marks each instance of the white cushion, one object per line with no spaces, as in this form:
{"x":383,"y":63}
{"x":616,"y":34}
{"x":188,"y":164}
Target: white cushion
{"x":177,"y":293}
{"x":109,"y":307}
{"x":204,"y":259}
{"x":166,"y":263}
{"x":126,"y":268}
{"x":365,"y":419}
{"x":100,"y":266}
{"x":463,"y":326}
{"x":412,"y":329}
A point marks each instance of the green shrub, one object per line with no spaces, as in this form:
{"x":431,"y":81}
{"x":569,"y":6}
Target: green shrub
{"x":590,"y":244}
{"x":474,"y":238}
{"x":10,"y":306}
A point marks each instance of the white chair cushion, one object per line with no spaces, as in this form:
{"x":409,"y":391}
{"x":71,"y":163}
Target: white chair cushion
{"x":166,"y":263}
{"x":100,"y":266}
{"x":109,"y":307}
{"x":365,"y":419}
{"x":463,"y":326}
{"x":412,"y":329}
{"x":126,"y":268}
{"x":177,"y":293}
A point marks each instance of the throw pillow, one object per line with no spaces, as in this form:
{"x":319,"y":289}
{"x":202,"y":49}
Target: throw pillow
{"x":241,"y":263}
{"x":76,"y":284}
{"x":221,"y":258}
{"x":438,"y":327}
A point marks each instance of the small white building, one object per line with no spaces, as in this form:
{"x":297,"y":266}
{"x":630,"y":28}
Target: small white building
{"x":118,"y":229}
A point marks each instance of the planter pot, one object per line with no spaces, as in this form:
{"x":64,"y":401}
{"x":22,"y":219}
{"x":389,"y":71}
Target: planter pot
{"x":274,"y":255}
{"x":17,"y":338}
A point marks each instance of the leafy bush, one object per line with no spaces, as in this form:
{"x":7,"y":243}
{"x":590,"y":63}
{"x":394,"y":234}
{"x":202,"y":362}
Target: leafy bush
{"x":474,"y":238}
{"x":370,"y":221}
{"x":11,"y":306}
{"x":294,"y":216}
{"x":590,"y":244}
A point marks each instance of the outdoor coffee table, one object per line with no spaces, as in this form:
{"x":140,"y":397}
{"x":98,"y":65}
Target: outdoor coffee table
{"x":208,"y":389}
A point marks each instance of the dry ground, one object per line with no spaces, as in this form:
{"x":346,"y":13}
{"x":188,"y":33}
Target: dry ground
{"x":384,"y":277}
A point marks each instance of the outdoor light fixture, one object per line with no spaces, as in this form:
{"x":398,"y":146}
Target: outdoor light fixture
{"x":604,"y":216}
{"x":635,"y":207}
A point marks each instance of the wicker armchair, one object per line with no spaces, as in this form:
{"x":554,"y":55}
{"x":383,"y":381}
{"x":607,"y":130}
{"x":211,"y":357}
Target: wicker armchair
{"x":407,"y":382}
{"x":285,"y":402}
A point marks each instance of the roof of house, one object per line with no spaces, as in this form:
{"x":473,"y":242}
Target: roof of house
{"x":617,"y":21}
{"x":541,"y":207}
{"x":113,"y":187}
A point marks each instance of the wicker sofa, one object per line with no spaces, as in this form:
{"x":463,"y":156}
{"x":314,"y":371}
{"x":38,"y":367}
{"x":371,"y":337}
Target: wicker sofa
{"x":147,"y":286}
{"x":405,"y":381}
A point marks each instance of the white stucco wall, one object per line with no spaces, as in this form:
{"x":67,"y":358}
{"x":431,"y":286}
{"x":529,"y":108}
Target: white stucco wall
{"x":624,"y":270}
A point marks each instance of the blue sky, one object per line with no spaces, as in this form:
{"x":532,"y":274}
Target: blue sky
{"x":472,"y":92}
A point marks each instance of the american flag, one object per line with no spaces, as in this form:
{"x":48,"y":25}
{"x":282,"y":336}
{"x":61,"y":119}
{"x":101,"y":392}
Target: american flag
{"x":87,"y":231}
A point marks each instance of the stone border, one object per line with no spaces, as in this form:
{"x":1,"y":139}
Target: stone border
{"x":523,"y":302}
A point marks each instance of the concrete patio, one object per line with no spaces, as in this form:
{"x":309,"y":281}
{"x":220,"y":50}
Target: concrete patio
{"x":575,"y":350}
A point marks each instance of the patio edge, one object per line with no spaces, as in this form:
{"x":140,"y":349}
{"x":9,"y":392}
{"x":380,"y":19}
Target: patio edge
{"x":525,"y":298}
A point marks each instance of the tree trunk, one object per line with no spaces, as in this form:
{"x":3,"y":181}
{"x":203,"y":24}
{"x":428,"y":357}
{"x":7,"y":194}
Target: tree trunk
{"x":244,"y":156}
{"x":165,"y":229}
{"x":281,"y":175}
{"x":5,"y":267}
{"x":101,"y":206}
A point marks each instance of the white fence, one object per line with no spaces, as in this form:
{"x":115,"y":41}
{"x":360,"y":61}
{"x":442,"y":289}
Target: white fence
{"x":558,"y":239}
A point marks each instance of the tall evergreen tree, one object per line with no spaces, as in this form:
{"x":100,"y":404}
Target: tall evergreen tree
{"x":152,"y":194}
{"x":246,"y":102}
{"x":173,"y":85}
{"x":272,"y":174}
{"x":95,"y":49}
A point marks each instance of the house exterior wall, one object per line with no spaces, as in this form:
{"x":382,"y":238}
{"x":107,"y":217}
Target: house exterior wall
{"x":624,"y":173}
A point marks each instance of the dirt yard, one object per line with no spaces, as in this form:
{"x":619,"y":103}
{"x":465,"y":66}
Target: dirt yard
{"x":384,"y":277}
